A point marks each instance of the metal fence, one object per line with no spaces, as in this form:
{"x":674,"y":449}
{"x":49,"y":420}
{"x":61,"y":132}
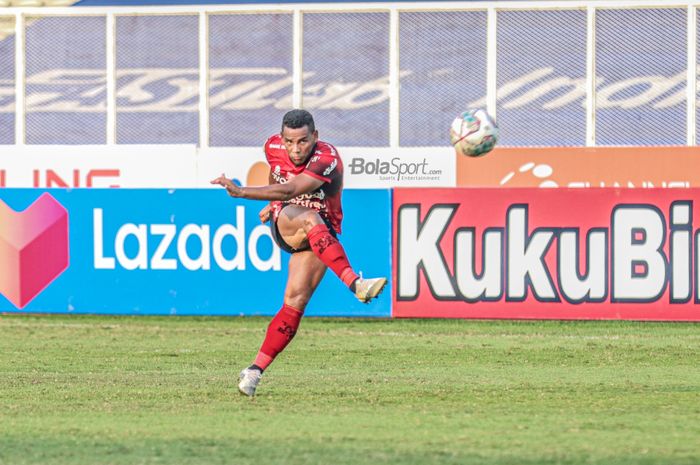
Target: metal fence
{"x":574,"y":73}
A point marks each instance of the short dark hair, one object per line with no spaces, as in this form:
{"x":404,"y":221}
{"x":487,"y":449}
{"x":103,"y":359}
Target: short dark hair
{"x":296,"y":119}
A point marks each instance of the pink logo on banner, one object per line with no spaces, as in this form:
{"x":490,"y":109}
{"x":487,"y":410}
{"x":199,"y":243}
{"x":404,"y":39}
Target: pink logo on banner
{"x":33,"y":248}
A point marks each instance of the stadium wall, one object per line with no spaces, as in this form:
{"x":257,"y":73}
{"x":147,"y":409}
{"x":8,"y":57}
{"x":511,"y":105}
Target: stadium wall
{"x":452,"y":253}
{"x":592,"y":93}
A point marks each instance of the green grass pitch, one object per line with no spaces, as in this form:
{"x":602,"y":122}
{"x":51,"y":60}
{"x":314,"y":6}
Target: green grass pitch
{"x":161,"y":390}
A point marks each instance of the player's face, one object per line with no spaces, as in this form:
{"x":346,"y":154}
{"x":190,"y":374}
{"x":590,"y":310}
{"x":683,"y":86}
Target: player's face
{"x":299,"y":143}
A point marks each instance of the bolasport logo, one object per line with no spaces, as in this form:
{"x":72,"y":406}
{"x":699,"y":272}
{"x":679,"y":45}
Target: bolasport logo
{"x":395,"y":169}
{"x":34,"y":248}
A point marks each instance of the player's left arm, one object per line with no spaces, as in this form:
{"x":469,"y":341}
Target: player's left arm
{"x":301,"y":184}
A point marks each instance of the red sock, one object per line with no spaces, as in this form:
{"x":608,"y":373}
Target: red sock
{"x":280,"y":333}
{"x":328,"y":249}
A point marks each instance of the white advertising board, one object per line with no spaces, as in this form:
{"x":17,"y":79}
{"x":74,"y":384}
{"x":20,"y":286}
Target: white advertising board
{"x":185,"y":166}
{"x":367,"y":168}
{"x":133,"y":166}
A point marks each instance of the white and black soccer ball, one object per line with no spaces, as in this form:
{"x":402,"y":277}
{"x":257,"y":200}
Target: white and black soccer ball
{"x":474,"y":133}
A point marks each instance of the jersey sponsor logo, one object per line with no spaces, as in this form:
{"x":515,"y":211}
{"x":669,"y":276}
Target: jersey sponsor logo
{"x":279,"y":179}
{"x":312,"y":203}
{"x":330,"y":168}
{"x":319,"y":194}
{"x":277,"y":175}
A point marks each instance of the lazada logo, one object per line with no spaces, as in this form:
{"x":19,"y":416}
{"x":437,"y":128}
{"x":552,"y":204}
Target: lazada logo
{"x":157,"y":243}
{"x":33,"y":248}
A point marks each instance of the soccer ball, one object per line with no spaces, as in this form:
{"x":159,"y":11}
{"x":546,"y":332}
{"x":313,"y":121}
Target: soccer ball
{"x":474,"y":133}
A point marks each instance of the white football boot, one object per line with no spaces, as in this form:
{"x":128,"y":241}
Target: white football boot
{"x":249,"y":381}
{"x":368,"y":289}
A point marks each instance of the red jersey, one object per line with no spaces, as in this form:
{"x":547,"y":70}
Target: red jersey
{"x":324,"y":163}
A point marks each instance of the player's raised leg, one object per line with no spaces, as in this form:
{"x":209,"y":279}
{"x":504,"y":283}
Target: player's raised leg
{"x":302,"y":227}
{"x":305,"y":274}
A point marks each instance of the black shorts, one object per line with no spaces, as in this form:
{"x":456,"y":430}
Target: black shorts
{"x":288,"y":248}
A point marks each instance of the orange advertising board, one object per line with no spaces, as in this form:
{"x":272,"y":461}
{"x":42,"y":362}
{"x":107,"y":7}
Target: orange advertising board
{"x":675,"y":166}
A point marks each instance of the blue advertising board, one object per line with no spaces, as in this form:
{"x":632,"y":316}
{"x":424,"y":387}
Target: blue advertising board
{"x":159,"y":251}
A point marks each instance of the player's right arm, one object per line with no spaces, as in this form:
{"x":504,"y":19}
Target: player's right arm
{"x":312,"y":178}
{"x":301,"y":184}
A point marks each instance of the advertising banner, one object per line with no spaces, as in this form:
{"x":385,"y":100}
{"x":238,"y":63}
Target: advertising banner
{"x":186,"y":166}
{"x":582,"y":167}
{"x":158,"y":251}
{"x":137,"y":166}
{"x":547,"y":253}
{"x":406,"y":167}
{"x":365,"y":168}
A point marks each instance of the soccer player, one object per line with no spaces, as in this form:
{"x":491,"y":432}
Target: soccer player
{"x":306,"y":182}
